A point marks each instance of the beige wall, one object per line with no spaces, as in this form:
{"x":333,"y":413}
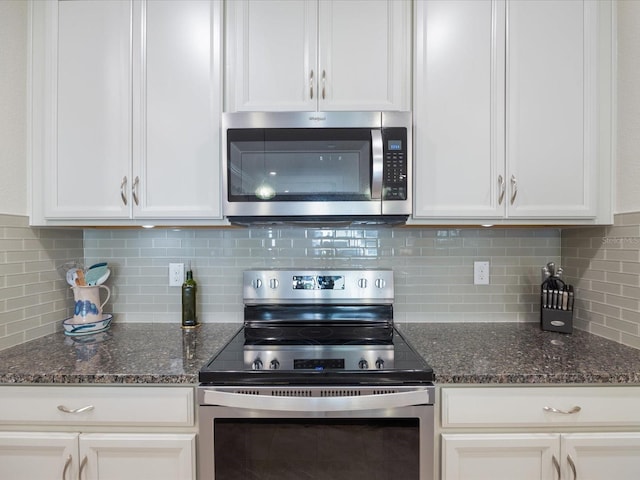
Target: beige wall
{"x":13,"y":106}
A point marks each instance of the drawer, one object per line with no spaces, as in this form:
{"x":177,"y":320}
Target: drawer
{"x":97,"y":405}
{"x":540,"y":406}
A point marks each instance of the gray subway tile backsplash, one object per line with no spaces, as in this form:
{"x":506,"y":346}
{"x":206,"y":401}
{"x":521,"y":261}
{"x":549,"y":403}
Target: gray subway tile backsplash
{"x":433,"y":271}
{"x":433,"y":267}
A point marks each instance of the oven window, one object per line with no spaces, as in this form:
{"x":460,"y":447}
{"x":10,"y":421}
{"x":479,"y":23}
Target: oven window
{"x":314,"y":449}
{"x":299,"y":164}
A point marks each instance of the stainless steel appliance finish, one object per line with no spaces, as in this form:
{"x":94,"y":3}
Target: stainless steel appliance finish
{"x":312,"y":167}
{"x":318,"y":377}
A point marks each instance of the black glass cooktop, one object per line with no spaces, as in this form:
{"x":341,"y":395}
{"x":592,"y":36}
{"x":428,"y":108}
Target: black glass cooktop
{"x":229,"y":366}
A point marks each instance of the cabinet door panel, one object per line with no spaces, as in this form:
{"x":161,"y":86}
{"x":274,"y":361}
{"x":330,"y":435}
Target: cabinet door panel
{"x":177,"y":156}
{"x":363,"y":54}
{"x":271,"y":55}
{"x":458,"y":109}
{"x":35,"y":455}
{"x":135,"y":456}
{"x":499,"y":456}
{"x":90,"y":153}
{"x":602,"y":455}
{"x":551,"y":107}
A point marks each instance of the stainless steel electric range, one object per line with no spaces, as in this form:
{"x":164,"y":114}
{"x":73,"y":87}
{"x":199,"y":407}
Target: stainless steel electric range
{"x":320,"y":367}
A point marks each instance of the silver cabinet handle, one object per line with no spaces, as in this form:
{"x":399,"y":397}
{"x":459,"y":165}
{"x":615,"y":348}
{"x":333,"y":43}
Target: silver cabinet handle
{"x":67,"y":464}
{"x":503,"y":188}
{"x":575,"y":409}
{"x":82,"y":465}
{"x":123,"y":189}
{"x":134,"y":189}
{"x":514,"y":189}
{"x":64,"y":409}
{"x":556,"y":465}
{"x":311,"y":85}
{"x":573,"y":467}
{"x":324,"y":78}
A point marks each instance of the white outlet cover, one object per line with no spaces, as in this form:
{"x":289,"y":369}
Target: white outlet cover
{"x":481,"y":273}
{"x":176,"y":274}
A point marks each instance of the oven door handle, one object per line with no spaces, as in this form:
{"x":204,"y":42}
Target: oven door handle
{"x":377,"y":155}
{"x":315,"y":404}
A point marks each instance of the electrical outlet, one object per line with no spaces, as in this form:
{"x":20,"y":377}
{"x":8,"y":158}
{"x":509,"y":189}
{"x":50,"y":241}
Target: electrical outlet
{"x":481,"y":273}
{"x":176,"y":274}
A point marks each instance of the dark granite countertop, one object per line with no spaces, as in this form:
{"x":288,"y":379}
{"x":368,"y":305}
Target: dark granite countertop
{"x":486,"y":353}
{"x":520,"y":353}
{"x":127,"y":353}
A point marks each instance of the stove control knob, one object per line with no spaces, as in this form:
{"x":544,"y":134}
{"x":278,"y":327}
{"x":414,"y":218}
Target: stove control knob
{"x":273,"y":283}
{"x":379,"y":363}
{"x":363,"y":364}
{"x":274,"y":364}
{"x":257,"y":283}
{"x":362,"y":283}
{"x":380,"y":283}
{"x":257,"y":364}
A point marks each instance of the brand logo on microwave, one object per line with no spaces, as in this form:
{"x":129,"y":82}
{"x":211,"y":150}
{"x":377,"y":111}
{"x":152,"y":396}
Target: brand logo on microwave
{"x":317,"y":119}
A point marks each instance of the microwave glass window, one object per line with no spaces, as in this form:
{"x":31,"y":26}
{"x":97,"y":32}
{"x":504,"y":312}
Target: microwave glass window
{"x":310,"y":164}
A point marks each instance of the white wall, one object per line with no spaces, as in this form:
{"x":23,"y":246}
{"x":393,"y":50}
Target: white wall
{"x":628,"y":175}
{"x":13,"y":125}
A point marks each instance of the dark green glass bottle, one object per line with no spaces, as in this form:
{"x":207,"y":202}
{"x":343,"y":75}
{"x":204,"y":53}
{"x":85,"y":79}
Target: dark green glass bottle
{"x":189,"y":289}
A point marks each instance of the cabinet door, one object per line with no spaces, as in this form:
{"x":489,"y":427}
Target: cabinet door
{"x":500,"y":456}
{"x":135,"y":456}
{"x":176,"y":169}
{"x":88,"y":151}
{"x":459,"y":109}
{"x":271,"y":55}
{"x":364,"y":55}
{"x":551,"y":108}
{"x":601,"y":455}
{"x":42,"y":456}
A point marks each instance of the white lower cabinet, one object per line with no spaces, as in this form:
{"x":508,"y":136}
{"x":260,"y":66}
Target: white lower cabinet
{"x":538,"y":456}
{"x":540,"y":433}
{"x":93,"y":456}
{"x":97,"y":433}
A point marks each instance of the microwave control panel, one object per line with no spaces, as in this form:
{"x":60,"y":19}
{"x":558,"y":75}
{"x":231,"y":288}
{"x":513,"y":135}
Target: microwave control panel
{"x":394,"y":172}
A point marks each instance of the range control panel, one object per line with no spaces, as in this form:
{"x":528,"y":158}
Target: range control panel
{"x":318,"y":286}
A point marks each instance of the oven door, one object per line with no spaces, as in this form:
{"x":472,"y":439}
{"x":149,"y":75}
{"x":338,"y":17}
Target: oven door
{"x":254,"y":436}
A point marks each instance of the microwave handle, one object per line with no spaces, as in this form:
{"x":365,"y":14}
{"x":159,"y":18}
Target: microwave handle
{"x":323,"y":404}
{"x":377,"y":155}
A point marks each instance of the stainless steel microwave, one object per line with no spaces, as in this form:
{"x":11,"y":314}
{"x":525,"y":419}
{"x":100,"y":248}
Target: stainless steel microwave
{"x":317,"y":167}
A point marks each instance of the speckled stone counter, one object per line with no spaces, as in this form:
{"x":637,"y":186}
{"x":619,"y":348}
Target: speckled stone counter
{"x":127,"y":353}
{"x":458,"y":352}
{"x":520,"y":353}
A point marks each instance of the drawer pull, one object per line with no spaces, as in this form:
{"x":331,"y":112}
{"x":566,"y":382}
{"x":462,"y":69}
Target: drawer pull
{"x":67,"y":464}
{"x":575,"y":409}
{"x":64,"y":409}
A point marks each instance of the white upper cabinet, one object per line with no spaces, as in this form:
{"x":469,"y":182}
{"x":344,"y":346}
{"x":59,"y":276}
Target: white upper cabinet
{"x":125,"y":107}
{"x":459,"y":109}
{"x":513,"y":111}
{"x":306,"y":55}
